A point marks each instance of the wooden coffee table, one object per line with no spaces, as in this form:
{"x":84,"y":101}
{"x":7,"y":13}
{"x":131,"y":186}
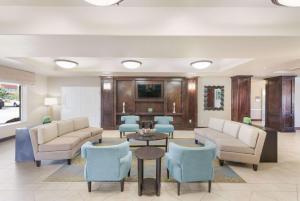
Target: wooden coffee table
{"x":145,"y":185}
{"x":147,"y":139}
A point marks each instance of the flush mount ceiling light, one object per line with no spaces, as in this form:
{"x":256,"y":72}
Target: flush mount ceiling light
{"x":131,"y":64}
{"x":201,"y":64}
{"x":288,"y":3}
{"x":104,"y":2}
{"x":66,"y":64}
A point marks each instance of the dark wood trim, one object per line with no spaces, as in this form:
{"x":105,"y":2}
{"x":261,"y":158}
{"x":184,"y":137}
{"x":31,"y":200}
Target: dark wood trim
{"x":7,"y":138}
{"x":256,"y":119}
{"x":297,"y":128}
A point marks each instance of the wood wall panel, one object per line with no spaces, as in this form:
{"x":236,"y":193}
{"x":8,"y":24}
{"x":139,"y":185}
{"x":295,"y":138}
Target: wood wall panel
{"x":173,"y":94}
{"x":174,"y":90}
{"x":280,"y":103}
{"x":107,"y":105}
{"x":126,"y":93}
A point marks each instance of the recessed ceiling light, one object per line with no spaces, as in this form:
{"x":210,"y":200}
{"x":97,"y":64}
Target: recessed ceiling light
{"x":67,"y":64}
{"x":201,"y":64}
{"x":131,"y":64}
{"x":289,"y":3}
{"x":104,"y":2}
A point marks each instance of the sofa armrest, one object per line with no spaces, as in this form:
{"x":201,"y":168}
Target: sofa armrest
{"x":34,"y":140}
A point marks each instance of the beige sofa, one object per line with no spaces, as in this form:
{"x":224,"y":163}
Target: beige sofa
{"x":62,"y":139}
{"x":235,"y":141}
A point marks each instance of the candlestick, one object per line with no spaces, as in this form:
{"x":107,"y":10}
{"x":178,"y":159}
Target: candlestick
{"x":174,"y":107}
{"x":123,"y":108}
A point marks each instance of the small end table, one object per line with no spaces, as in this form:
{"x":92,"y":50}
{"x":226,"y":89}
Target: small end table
{"x":149,"y":153}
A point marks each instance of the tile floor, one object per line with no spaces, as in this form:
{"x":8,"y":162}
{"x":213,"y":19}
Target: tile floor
{"x":273,"y":182}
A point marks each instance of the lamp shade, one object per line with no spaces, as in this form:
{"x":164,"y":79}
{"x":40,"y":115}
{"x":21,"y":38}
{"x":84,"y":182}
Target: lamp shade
{"x":50,"y":101}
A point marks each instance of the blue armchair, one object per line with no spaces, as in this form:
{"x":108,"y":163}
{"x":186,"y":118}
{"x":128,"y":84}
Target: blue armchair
{"x":191,"y":164}
{"x":129,"y":124}
{"x":164,"y":124}
{"x":109,"y":163}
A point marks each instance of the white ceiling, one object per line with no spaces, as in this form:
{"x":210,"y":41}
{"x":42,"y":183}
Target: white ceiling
{"x":144,"y":3}
{"x":240,"y":36}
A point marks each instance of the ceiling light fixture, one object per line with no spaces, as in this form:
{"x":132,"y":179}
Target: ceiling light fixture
{"x":66,"y":64}
{"x":131,"y":64}
{"x":104,"y":2}
{"x":288,"y":3}
{"x":202,"y":64}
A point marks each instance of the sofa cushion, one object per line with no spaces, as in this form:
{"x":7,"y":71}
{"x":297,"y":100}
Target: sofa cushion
{"x":93,"y":130}
{"x":129,"y":127}
{"x":210,"y":134}
{"x":65,"y":126}
{"x":231,"y":128}
{"x":60,"y":144}
{"x":47,"y":133}
{"x":81,"y":123}
{"x":248,"y":135}
{"x":216,"y":124}
{"x":233,"y":145}
{"x":81,"y":134}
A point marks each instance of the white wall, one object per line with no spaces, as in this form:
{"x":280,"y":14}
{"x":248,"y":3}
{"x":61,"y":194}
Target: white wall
{"x":33,"y":108}
{"x":55,"y":85}
{"x":204,"y":115}
{"x":297,"y":102}
{"x":257,"y":87}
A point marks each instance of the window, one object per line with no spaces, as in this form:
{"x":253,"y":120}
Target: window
{"x":10,"y":103}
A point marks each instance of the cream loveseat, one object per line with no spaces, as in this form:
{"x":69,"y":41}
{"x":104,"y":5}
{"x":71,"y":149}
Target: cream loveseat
{"x":62,"y":139}
{"x":235,"y":141}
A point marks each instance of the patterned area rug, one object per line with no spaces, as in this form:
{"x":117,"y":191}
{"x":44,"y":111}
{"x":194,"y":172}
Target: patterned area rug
{"x":74,"y":172}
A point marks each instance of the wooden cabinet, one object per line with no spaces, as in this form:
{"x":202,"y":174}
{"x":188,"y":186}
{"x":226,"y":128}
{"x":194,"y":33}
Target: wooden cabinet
{"x":280,"y":103}
{"x":174,"y":92}
{"x":240,"y":97}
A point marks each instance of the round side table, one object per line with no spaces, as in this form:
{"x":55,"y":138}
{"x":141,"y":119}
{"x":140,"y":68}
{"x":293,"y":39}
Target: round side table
{"x":149,"y":153}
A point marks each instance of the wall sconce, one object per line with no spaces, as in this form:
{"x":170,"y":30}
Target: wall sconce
{"x":107,"y":86}
{"x":191,"y":86}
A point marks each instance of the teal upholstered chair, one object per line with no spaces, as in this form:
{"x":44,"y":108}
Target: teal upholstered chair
{"x":129,"y":124}
{"x":164,"y":124}
{"x":106,"y":164}
{"x":191,"y":164}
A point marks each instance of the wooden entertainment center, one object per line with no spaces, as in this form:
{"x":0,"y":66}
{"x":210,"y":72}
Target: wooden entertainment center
{"x":179,"y":93}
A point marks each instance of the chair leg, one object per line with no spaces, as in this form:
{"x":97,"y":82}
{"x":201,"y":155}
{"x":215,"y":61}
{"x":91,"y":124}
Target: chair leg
{"x":100,"y":141}
{"x":255,"y":167}
{"x":178,"y":188}
{"x":221,"y":162}
{"x":38,"y":163}
{"x":172,"y":135}
{"x":209,"y":186}
{"x":168,"y":174}
{"x":196,"y":141}
{"x":122,"y":184}
{"x":129,"y":173}
{"x":120,"y":134}
{"x":69,"y":161}
{"x":89,"y":186}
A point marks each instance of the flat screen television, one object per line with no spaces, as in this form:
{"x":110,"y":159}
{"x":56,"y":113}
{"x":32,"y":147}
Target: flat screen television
{"x":149,"y":90}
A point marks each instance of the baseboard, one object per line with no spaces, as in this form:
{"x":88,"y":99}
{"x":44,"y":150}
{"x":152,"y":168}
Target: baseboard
{"x":7,"y":138}
{"x":256,"y":119}
{"x":297,"y":128}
